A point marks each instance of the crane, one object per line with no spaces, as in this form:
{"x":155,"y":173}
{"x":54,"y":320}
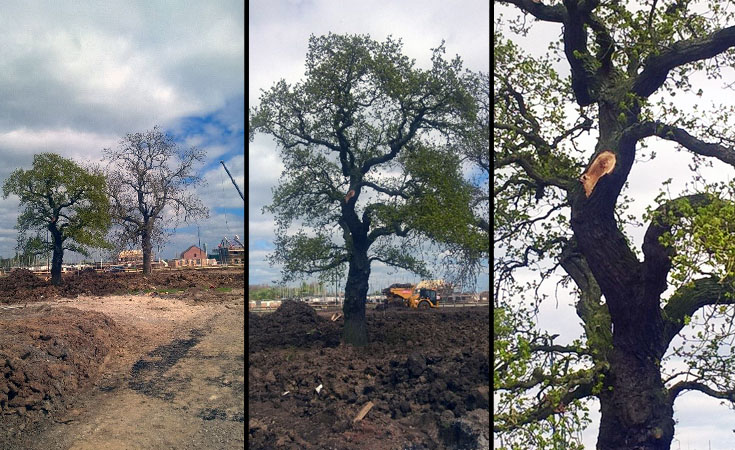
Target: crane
{"x":232,"y":179}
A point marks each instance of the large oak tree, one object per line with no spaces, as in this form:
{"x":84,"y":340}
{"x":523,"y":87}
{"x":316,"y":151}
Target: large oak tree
{"x":369,"y":172}
{"x":151,"y":182}
{"x":625,"y":63}
{"x":70,"y":202}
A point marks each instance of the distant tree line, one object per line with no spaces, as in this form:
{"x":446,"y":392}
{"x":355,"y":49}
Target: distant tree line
{"x":265,"y":292}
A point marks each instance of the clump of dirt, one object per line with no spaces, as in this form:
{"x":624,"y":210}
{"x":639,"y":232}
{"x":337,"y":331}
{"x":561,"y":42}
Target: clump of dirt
{"x":46,"y":354}
{"x":294,"y":324}
{"x":426,"y":372}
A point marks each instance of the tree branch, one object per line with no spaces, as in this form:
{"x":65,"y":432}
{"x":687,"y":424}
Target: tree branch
{"x":681,"y":386}
{"x":394,"y":228}
{"x":397,"y":143}
{"x":689,"y":298}
{"x":556,"y":348}
{"x":594,"y":314}
{"x":724,"y":154}
{"x":657,"y":257}
{"x":531,"y":171}
{"x":532,"y":138}
{"x":391,"y":192}
{"x":540,"y":11}
{"x":545,"y":409}
{"x":507,"y":92}
{"x":657,"y":67}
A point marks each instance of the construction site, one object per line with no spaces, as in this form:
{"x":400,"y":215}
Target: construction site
{"x":422,"y":382}
{"x":110,"y":359}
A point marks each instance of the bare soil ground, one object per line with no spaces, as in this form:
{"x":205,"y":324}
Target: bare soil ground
{"x":97,"y":363}
{"x":426,"y":372}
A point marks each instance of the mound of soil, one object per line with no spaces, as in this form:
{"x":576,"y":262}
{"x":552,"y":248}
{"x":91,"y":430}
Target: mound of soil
{"x":89,"y":282}
{"x":18,"y":278}
{"x":22,"y":286}
{"x":426,"y":372}
{"x":46,"y":355}
{"x":294,"y":324}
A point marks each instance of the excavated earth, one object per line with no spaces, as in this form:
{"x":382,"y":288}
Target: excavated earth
{"x":22,"y":286}
{"x":427,"y":374}
{"x":119,"y":360}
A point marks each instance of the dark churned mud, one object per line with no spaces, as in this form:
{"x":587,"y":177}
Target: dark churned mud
{"x":427,"y":374}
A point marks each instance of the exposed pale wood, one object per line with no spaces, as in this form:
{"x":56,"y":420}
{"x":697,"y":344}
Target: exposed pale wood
{"x":363,"y":412}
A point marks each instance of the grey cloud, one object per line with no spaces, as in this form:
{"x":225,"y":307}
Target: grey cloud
{"x":111,"y":67}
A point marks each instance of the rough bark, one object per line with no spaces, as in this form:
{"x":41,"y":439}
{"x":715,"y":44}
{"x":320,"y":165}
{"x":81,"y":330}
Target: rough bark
{"x":636,"y":412}
{"x":58,"y":255}
{"x":635,"y":406}
{"x":147,"y":249}
{"x":355,"y":328}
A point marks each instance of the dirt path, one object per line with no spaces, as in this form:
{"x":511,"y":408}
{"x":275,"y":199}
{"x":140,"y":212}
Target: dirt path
{"x":176,"y":382}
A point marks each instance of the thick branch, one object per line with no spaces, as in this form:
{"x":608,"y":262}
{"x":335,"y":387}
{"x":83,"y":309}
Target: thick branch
{"x":394,"y":228}
{"x":397,"y":143}
{"x":556,"y":348}
{"x":657,"y":257}
{"x":575,"y":49}
{"x":520,"y":102}
{"x":586,"y":125}
{"x":323,"y":268}
{"x":657,"y":67}
{"x":689,"y":298}
{"x":532,"y":138}
{"x":681,"y":136}
{"x":681,"y":386}
{"x":594,"y":314}
{"x":540,"y":11}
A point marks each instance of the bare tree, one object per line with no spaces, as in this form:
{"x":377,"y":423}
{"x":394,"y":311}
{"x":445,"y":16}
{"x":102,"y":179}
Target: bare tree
{"x":150,"y":180}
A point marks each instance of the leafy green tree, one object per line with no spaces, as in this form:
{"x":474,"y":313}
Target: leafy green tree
{"x":263,"y":293}
{"x":65,"y":199}
{"x":464,"y":259}
{"x":626,"y":64}
{"x":364,"y":139}
{"x":150,"y":179}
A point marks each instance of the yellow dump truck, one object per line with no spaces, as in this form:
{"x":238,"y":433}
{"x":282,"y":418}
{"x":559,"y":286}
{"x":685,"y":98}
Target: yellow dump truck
{"x":413,"y":296}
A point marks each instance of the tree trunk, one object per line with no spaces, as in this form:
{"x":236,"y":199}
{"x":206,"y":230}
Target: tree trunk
{"x":355,"y":329}
{"x":58,"y":256}
{"x":147,"y":250}
{"x":636,"y":411}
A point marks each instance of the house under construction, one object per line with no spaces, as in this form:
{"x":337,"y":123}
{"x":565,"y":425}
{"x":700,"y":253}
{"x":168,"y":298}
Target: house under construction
{"x":231,"y":251}
{"x":130,"y":257}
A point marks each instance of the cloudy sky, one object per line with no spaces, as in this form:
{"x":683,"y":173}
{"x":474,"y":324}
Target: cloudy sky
{"x":278,"y":36}
{"x":75,"y":77}
{"x":702,"y":423}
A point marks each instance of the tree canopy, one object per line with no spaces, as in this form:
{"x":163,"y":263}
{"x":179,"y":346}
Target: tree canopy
{"x":150,"y":187}
{"x":65,"y":199}
{"x":560,"y":213}
{"x":370,"y":174}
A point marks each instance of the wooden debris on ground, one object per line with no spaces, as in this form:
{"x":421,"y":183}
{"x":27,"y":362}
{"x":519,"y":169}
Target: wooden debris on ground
{"x":363,"y":412}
